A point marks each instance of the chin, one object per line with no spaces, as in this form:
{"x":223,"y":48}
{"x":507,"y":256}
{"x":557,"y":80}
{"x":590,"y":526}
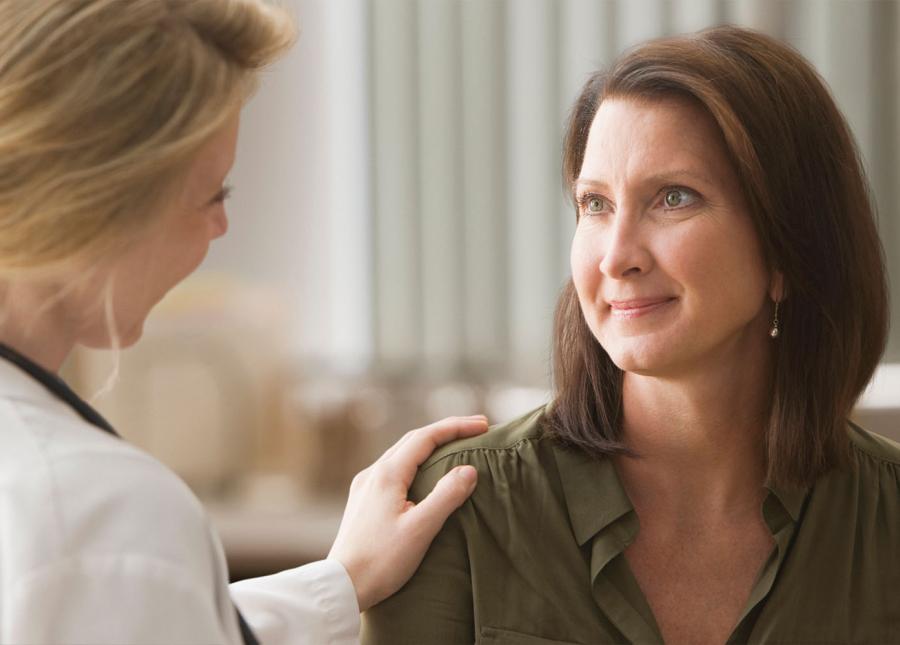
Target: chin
{"x":629,"y":364}
{"x":127,"y":341}
{"x":133,"y":334}
{"x":644,"y":360}
{"x":102,"y":339}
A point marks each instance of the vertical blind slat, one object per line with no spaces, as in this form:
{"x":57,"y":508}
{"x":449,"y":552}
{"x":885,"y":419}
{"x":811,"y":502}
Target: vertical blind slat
{"x":765,"y":15}
{"x":484,"y":195}
{"x":639,"y":20}
{"x":533,"y":195}
{"x":692,"y":15}
{"x":349,"y":218}
{"x":440,"y":201}
{"x":398,"y":320}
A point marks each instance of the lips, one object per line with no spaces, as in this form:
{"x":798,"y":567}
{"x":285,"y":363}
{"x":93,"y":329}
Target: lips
{"x":638,"y":306}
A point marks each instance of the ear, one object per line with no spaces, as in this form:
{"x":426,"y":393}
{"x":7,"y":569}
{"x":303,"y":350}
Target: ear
{"x":777,"y":291}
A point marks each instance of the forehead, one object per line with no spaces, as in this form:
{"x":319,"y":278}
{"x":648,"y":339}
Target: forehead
{"x":631,"y":136}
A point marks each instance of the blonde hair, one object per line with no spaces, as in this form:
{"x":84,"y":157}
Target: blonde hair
{"x":104,"y":103}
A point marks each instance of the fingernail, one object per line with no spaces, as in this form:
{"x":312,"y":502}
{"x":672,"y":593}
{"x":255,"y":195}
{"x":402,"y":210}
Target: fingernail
{"x":467,"y":474}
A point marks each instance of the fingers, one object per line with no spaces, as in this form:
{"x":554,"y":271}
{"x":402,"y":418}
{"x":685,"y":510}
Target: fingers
{"x":426,"y":439}
{"x":399,"y":463}
{"x":448,"y":494}
{"x":420,"y":443}
{"x":380,"y":519}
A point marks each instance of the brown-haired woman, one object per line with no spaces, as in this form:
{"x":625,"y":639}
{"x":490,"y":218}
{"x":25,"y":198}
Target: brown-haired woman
{"x":695,"y":478}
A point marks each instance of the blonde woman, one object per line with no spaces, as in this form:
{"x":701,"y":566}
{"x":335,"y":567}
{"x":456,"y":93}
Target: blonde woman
{"x":118,"y":123}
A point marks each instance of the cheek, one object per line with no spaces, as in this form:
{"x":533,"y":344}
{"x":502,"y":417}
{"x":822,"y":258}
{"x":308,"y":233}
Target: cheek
{"x":723,"y":272}
{"x":191,"y":246}
{"x":197,"y":252}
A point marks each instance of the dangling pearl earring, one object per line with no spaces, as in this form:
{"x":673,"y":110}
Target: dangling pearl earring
{"x":774,"y":331}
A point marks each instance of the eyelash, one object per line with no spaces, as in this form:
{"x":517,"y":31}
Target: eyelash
{"x":223,"y":195}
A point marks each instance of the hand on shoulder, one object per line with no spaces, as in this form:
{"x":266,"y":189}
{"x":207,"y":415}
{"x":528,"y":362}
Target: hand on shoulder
{"x":383,"y":535}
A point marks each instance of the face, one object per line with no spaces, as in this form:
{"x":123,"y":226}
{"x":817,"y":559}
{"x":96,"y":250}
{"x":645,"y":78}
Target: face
{"x":174,"y":246}
{"x":665,"y":261}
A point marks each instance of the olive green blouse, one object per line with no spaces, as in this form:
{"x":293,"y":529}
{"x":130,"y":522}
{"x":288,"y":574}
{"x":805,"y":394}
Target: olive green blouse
{"x":536,"y":555}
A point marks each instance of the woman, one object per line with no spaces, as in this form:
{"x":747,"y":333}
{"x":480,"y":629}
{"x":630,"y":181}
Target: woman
{"x":695,"y":478}
{"x":118,"y":123}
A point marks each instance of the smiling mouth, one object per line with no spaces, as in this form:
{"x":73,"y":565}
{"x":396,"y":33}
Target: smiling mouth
{"x":628,"y":309}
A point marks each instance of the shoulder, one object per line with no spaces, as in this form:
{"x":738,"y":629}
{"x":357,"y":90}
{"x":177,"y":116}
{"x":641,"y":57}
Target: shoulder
{"x":875,"y":477}
{"x":512,"y":436}
{"x":868,"y":445}
{"x":866,"y":494}
{"x":497,"y":455}
{"x":874,"y":466}
{"x":45,"y":446}
{"x":71,"y":490}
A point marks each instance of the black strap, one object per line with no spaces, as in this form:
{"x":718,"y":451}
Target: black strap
{"x":58,"y":388}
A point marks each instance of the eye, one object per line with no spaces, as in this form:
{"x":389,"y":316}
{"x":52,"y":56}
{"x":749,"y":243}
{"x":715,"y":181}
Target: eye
{"x":222,"y":195}
{"x":678,"y":197}
{"x":592,"y":204}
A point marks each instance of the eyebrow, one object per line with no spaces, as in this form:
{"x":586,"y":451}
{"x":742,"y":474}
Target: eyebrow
{"x":670,"y":176}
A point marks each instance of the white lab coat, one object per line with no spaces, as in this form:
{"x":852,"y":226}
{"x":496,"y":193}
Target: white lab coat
{"x":101,"y":543}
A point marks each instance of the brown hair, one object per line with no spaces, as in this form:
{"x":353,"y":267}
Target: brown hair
{"x":802,"y":178}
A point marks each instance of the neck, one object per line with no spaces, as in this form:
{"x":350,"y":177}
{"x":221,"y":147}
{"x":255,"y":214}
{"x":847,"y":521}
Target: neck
{"x":699,"y":439}
{"x":34,"y":324}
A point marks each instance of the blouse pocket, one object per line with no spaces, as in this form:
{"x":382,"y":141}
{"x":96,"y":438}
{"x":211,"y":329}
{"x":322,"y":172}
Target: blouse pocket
{"x":494,"y":636}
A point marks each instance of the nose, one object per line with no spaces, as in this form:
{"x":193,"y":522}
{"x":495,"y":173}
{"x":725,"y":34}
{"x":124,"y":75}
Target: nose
{"x":219,"y":224}
{"x":625,"y":253}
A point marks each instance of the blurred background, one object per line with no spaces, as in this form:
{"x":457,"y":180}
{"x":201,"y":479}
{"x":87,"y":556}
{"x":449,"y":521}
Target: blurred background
{"x":399,"y":235}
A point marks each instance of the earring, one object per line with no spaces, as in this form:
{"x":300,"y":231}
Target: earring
{"x":774,"y":331}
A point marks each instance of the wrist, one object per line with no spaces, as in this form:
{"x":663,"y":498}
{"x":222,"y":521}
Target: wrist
{"x":356,"y":575}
